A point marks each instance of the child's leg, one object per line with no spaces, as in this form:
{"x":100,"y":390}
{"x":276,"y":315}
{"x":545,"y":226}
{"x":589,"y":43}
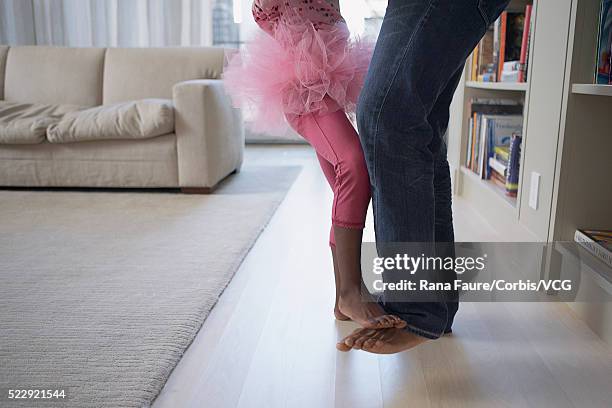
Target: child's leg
{"x":330,"y":175}
{"x":339,"y":151}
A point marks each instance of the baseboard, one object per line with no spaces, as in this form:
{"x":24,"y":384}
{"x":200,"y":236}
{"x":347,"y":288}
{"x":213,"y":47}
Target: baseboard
{"x":197,"y":190}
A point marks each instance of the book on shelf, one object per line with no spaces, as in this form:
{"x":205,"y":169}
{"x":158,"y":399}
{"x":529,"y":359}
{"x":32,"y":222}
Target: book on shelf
{"x":497,"y":166}
{"x":512,"y":177}
{"x":498,"y":179}
{"x":603,"y":73}
{"x":498,"y":131}
{"x":512,"y":66}
{"x":526,"y":42}
{"x":485,"y":62}
{"x":468,"y":151}
{"x":496,"y":106}
{"x":506,"y":41}
{"x":474,"y":70}
{"x":511,"y":34}
{"x":597,"y":242}
{"x":502,"y":154}
{"x":511,"y":71}
{"x":491,"y":126}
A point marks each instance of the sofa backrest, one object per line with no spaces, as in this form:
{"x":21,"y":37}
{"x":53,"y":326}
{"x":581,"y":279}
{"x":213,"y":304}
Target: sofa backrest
{"x":137,"y":73}
{"x":54,"y":75}
{"x":3,"y":52}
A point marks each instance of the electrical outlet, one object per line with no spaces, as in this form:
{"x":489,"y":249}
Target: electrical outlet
{"x":534,"y":190}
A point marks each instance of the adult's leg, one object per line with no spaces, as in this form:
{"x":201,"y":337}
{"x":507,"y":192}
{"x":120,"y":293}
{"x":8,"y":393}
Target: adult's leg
{"x":444,"y":235}
{"x":338,"y":148}
{"x":422,"y":44}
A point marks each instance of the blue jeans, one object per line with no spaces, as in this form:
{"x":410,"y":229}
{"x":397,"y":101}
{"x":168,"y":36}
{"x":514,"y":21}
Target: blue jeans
{"x":403,"y":115}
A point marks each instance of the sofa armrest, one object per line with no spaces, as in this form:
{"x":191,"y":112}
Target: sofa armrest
{"x":209,"y":133}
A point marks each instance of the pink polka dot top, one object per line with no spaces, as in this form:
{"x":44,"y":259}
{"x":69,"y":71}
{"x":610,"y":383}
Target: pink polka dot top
{"x":320,"y":13}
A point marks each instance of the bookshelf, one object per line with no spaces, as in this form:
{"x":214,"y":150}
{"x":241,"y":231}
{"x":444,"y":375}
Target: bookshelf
{"x":487,"y":197}
{"x":566,"y":130}
{"x":498,"y":86}
{"x":567,"y":141}
{"x":591,"y":89}
{"x":498,"y":194}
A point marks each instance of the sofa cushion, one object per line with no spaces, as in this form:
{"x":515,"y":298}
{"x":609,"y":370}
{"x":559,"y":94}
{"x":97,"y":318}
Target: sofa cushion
{"x":54,"y":75}
{"x":3,"y":53}
{"x":139,"y":73}
{"x":128,"y":120}
{"x":26,"y":123}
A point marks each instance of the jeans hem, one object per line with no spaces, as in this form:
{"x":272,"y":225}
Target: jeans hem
{"x":423,"y":333}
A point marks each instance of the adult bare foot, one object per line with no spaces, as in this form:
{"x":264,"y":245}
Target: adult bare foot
{"x":381,"y":341}
{"x":369,"y":315}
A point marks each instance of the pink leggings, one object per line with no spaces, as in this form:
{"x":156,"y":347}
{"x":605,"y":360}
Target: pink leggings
{"x":339,"y":152}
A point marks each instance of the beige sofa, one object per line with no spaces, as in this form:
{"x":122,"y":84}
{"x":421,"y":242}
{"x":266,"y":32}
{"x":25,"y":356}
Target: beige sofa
{"x":205,"y":146}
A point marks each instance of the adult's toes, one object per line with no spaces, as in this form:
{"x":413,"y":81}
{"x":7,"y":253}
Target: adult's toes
{"x":342,"y":346}
{"x":358,"y":344}
{"x":399,"y":323}
{"x":371,"y":342}
{"x":387,"y":335}
{"x":374,"y":323}
{"x":394,"y":321}
{"x":381,"y":322}
{"x":351,"y":338}
{"x":369,"y":338}
{"x":373,"y":345}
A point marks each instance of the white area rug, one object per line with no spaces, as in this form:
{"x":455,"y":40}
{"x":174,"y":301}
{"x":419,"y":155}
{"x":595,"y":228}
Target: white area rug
{"x":102,"y":292}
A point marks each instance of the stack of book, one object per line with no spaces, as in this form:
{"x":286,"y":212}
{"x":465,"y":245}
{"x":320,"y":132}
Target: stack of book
{"x":499,"y":165}
{"x":494,"y":139}
{"x":597,"y":242}
{"x":503,"y":53}
{"x":603,"y":74}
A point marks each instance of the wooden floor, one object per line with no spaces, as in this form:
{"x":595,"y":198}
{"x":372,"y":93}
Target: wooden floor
{"x":270,"y":341}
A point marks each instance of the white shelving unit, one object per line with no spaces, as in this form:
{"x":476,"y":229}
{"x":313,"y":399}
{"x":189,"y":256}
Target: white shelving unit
{"x":498,"y":86}
{"x":590,"y":89}
{"x":487,"y":197}
{"x":567,"y":137}
{"x":498,"y":193}
{"x":567,"y":141}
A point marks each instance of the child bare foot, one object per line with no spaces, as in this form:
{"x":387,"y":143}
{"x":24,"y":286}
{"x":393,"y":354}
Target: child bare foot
{"x":369,"y":315}
{"x":381,"y":341}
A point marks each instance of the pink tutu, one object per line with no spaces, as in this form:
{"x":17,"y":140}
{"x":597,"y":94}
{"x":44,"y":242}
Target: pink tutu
{"x":297,"y":70}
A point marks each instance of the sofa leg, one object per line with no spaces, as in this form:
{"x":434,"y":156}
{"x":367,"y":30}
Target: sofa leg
{"x":197,"y":190}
